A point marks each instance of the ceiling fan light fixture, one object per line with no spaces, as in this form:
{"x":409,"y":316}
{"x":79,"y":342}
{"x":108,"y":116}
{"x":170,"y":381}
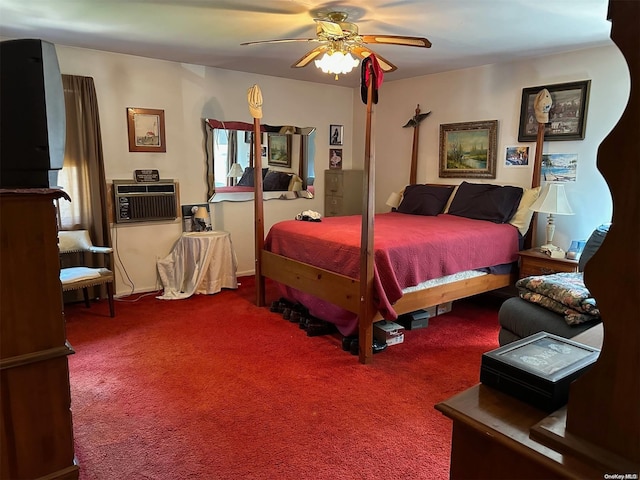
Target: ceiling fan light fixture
{"x":337,"y":62}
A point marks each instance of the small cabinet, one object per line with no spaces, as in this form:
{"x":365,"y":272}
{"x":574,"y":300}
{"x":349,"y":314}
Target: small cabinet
{"x":343,"y":192}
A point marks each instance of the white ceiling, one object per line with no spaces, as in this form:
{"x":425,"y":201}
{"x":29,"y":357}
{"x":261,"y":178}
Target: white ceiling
{"x":464,"y":33}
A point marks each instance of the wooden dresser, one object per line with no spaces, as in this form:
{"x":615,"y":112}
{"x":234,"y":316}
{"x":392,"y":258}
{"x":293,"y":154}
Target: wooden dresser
{"x":37,"y":434}
{"x":343,"y":192}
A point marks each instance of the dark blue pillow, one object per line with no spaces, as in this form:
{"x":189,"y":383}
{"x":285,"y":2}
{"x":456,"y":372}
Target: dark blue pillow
{"x":247,"y":177}
{"x":276,"y":181}
{"x":425,"y":199}
{"x":483,"y":201}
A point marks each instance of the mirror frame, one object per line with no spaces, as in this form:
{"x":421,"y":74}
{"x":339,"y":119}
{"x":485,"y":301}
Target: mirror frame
{"x":303,"y":167}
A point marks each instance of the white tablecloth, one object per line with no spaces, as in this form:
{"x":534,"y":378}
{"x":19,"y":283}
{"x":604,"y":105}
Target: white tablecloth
{"x":200,"y":262}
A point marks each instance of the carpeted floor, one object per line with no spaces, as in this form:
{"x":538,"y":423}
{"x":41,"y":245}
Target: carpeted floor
{"x":213,"y":387}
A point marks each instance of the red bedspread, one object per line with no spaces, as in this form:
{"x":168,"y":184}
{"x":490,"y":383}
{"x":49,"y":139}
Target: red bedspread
{"x":409,"y":249}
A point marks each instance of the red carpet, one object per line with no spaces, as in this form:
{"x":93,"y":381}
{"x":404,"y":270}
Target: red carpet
{"x":213,"y":387}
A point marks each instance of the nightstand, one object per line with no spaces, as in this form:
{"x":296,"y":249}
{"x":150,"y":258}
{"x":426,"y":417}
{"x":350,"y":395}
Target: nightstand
{"x":534,"y":262}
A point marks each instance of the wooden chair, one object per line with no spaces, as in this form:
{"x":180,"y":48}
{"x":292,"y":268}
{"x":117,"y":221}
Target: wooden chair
{"x":75,"y":272}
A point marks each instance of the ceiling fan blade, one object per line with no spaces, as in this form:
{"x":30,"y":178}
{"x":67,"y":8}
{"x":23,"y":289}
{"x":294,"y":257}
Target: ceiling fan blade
{"x":306,"y":59}
{"x":329,"y":28}
{"x":282,"y":40}
{"x":364,"y":52}
{"x":397,"y":40}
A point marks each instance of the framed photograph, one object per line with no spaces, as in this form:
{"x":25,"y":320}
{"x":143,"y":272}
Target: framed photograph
{"x":567,"y":117}
{"x":468,"y":150}
{"x":335,"y":134}
{"x":146,"y":130}
{"x":517,"y":157}
{"x":279,"y":150}
{"x":537,"y":369}
{"x":335,"y":158}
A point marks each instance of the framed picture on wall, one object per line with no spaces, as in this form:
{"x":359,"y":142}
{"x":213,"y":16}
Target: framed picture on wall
{"x":146,"y":130}
{"x":567,"y":117}
{"x":335,"y":134}
{"x":468,"y":149}
{"x":335,"y":158}
{"x":279,"y":150}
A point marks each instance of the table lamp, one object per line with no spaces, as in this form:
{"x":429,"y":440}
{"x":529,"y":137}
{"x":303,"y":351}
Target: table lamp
{"x":200,"y":219}
{"x":235,"y":171}
{"x":553,"y":201}
{"x":394,"y":200}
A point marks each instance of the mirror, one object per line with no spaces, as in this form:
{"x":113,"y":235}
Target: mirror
{"x":288,"y":155}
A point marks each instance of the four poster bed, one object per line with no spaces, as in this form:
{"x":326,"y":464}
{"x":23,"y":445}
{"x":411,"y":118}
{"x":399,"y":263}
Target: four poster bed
{"x":419,"y":260}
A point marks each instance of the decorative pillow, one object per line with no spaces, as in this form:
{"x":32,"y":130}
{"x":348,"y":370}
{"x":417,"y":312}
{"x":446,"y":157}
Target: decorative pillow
{"x":247,"y":177}
{"x":276,"y":181}
{"x":522,"y":218}
{"x":424,"y":199}
{"x":295,"y":183}
{"x":484,"y":201}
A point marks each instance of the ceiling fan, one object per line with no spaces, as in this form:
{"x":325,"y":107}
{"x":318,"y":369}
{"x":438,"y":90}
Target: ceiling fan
{"x":339,"y":39}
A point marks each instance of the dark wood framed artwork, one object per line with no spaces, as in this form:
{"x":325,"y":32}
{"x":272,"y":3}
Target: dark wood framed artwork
{"x":279,"y":150}
{"x":146,"y":130}
{"x":468,"y":149}
{"x":567,"y":117}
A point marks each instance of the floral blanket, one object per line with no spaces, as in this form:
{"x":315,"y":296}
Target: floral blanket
{"x":563,"y":293}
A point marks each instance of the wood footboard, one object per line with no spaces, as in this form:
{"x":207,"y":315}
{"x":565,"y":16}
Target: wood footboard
{"x":344,"y":291}
{"x":324,"y":284}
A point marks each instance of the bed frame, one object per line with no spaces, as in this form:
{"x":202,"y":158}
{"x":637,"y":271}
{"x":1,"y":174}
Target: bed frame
{"x":356,"y":295}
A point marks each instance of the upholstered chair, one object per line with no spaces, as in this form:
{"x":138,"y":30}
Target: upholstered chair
{"x":76,"y":272}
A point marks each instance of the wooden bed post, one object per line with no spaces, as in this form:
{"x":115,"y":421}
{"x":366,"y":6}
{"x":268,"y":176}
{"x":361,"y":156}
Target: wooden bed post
{"x":413,"y":174}
{"x":258,"y":213}
{"x":255,"y":107}
{"x":366,"y":310}
{"x":535,"y":181}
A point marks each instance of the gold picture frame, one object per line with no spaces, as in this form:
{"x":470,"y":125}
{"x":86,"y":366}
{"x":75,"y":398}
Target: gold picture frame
{"x":468,"y":149}
{"x":279,"y":150}
{"x":146,"y":130}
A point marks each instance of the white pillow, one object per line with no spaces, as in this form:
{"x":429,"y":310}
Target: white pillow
{"x":522,"y":218}
{"x":295,"y":183}
{"x":453,"y":194}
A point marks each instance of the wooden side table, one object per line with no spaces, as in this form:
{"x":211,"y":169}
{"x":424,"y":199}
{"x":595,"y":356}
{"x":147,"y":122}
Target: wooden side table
{"x":534,"y":262}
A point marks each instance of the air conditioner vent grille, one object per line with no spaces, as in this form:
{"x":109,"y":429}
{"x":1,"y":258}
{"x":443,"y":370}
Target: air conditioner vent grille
{"x":144,"y":203}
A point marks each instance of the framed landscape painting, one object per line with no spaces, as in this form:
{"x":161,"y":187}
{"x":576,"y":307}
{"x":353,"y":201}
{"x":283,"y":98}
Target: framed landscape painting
{"x":468,"y":149}
{"x":279,"y":150}
{"x":567,"y":117}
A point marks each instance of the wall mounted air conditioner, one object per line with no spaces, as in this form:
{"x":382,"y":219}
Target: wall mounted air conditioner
{"x":145,"y":202}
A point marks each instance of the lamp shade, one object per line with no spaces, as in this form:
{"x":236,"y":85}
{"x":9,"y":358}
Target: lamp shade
{"x":394,"y":200}
{"x":202,"y":212}
{"x":235,"y":171}
{"x":552,"y":199}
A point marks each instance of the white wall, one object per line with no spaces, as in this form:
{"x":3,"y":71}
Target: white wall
{"x":493,"y":92}
{"x":187,"y":94}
